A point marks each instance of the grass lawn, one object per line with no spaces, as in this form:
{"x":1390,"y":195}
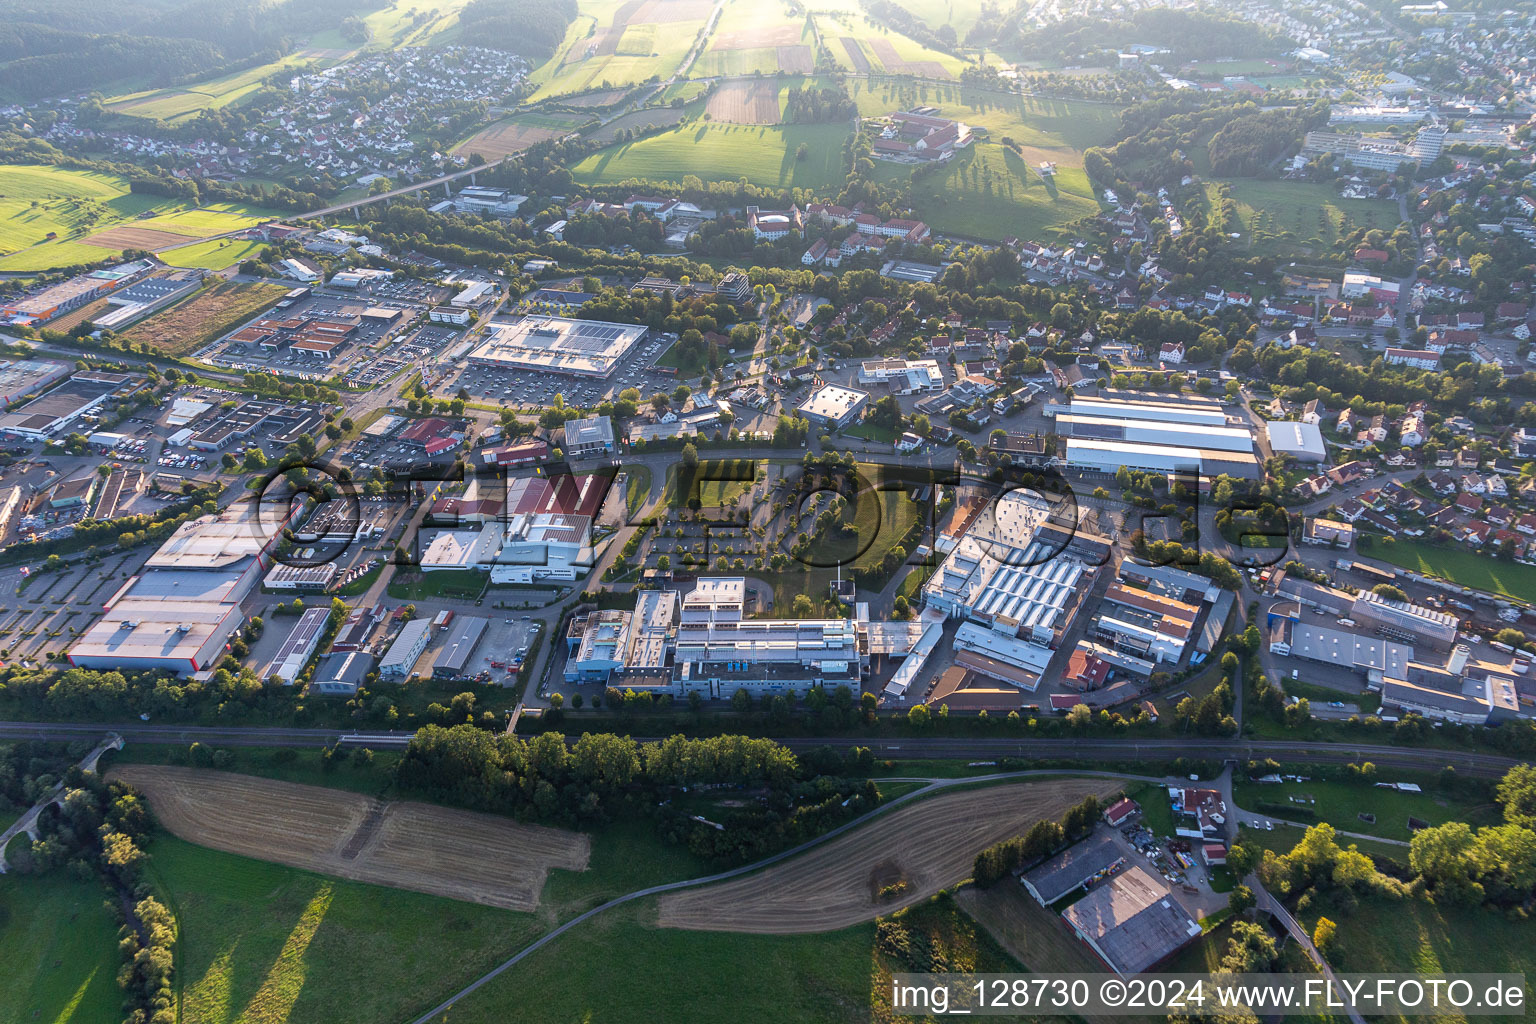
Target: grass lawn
{"x":1293,"y":217}
{"x":1341,"y":802}
{"x":912,"y":587}
{"x":1156,"y":811}
{"x":1480,"y":572}
{"x":176,"y":103}
{"x":266,"y":943}
{"x":575,"y":68}
{"x":762,"y":154}
{"x":75,"y":205}
{"x":591,"y":974}
{"x":962,"y":14}
{"x":216,"y":254}
{"x":626,"y":855}
{"x":871,"y":432}
{"x":58,"y":947}
{"x":637,"y":484}
{"x":194,"y":322}
{"x":463,"y":584}
{"x":989,"y":191}
{"x":716,"y":482}
{"x":685,"y":370}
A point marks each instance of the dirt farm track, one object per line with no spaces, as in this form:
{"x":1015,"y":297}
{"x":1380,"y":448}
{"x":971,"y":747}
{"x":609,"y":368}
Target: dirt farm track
{"x":462,"y":855}
{"x":929,"y":844}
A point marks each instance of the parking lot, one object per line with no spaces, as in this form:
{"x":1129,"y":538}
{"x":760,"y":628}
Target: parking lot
{"x":357,"y":353}
{"x":42,"y":612}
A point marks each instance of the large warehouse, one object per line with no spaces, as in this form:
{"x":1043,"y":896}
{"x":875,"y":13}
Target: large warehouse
{"x":177,"y":614}
{"x":48,"y":414}
{"x":1154,"y":434}
{"x":557,"y":344}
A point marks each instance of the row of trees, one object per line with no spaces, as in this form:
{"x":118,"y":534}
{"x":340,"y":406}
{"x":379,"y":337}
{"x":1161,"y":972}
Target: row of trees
{"x":99,"y":830}
{"x":1044,"y":838}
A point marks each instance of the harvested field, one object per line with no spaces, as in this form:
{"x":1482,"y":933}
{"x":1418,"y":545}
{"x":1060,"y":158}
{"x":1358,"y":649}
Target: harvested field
{"x":125,"y":237}
{"x":855,"y":55}
{"x":930,"y":844}
{"x":885,"y":53}
{"x":748,"y":102}
{"x":478,"y":858}
{"x":662,"y":11}
{"x":501,"y":140}
{"x":750,"y":39}
{"x":75,"y":317}
{"x":208,"y":314}
{"x":797,"y":60}
{"x":660,"y":117}
{"x":606,"y":98}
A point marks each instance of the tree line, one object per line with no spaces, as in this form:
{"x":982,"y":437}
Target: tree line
{"x":1044,"y":838}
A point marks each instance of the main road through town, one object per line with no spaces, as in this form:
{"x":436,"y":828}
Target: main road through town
{"x":1086,"y":749}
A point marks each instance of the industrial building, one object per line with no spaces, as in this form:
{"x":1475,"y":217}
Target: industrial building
{"x":1133,"y":922}
{"x":1372,"y":657}
{"x":464,"y":635}
{"x":590,"y":435}
{"x":300,"y":645}
{"x":341,"y":673}
{"x":57,"y":299}
{"x":489,"y":202}
{"x":903,"y":376}
{"x":178,"y":613}
{"x":1154,"y":434}
{"x":701,"y":642}
{"x":834,"y":406}
{"x":21,"y":377}
{"x":409,"y":644}
{"x":556,"y":344}
{"x":50,"y":413}
{"x":1077,"y":866}
{"x":1301,"y":441}
{"x":1404,"y":621}
{"x":142,"y":298}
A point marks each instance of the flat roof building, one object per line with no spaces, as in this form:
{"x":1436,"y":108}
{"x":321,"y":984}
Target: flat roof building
{"x":300,"y":645}
{"x":51,"y":412}
{"x":402,"y":655}
{"x":1301,"y":441}
{"x":590,"y":435}
{"x":555,"y":344}
{"x":464,"y":635}
{"x":834,"y":406}
{"x":1405,"y":621}
{"x":178,"y":613}
{"x":1154,"y":434}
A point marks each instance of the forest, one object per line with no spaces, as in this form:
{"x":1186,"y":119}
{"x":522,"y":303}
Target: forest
{"x":108,"y":42}
{"x":533,"y":30}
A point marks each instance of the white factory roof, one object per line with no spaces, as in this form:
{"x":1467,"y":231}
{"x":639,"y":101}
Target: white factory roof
{"x":833,"y":401}
{"x":1290,"y":438}
{"x":1193,"y":435}
{"x":558,"y":344}
{"x":1010,"y":650}
{"x":1184,"y":411}
{"x":159,"y":630}
{"x":1350,"y":650}
{"x":239,"y":532}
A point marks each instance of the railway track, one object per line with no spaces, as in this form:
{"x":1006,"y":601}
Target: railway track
{"x":903,"y":748}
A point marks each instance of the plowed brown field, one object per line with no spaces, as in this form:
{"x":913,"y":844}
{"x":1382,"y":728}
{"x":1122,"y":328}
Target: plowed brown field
{"x":462,"y":855}
{"x":930,"y":844}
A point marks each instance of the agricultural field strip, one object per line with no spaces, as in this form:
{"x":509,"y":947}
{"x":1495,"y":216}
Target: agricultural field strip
{"x":402,"y":844}
{"x":929,"y":846}
{"x":934,"y":786}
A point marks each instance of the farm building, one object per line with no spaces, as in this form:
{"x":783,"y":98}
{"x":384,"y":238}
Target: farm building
{"x":1073,"y":868}
{"x":1133,"y":922}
